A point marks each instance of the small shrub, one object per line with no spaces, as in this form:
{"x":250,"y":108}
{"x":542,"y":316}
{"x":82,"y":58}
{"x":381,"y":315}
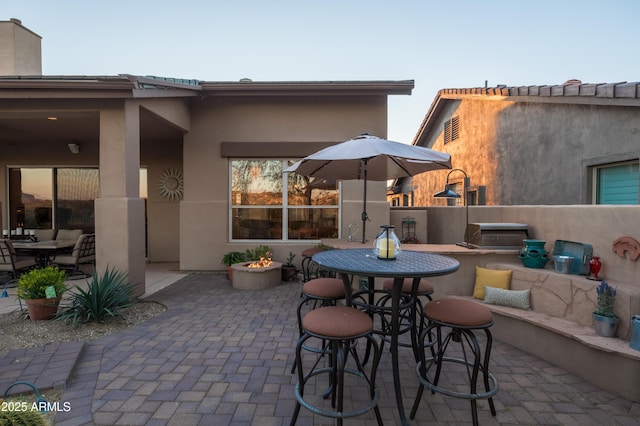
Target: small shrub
{"x":22,"y":418}
{"x":104,"y":297}
{"x":33,"y":284}
{"x":606,"y":300}
{"x":262,"y":251}
{"x":233,"y":257}
{"x":289,"y":261}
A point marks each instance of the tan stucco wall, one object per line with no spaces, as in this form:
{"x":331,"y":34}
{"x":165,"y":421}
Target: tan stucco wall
{"x":204,"y":213}
{"x":530,"y":153}
{"x":595,"y":225}
{"x":20,"y":50}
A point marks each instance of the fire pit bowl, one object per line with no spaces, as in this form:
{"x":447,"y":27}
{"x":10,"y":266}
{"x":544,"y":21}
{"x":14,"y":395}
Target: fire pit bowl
{"x":246,"y":278}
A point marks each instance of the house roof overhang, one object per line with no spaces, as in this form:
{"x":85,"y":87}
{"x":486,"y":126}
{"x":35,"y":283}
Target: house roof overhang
{"x":102,"y":87}
{"x":27,"y":101}
{"x":306,"y":88}
{"x":130,"y":86}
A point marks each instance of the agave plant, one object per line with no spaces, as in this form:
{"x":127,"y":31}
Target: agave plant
{"x":105,"y":296}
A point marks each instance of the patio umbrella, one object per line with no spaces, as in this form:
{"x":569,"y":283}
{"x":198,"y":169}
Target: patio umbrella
{"x":368,"y":157}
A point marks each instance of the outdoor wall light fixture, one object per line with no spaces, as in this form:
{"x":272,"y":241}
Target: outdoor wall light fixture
{"x":449,"y":193}
{"x":74,"y":148}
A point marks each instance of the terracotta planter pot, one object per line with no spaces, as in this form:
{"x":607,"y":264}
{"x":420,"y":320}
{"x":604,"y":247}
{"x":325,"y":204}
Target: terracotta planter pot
{"x":42,"y":309}
{"x":289,"y":273}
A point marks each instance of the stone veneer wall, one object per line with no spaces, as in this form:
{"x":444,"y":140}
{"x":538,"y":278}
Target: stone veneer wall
{"x":570,"y":297}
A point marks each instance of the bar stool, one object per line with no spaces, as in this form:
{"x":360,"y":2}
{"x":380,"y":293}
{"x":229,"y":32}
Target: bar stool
{"x":457,"y":319}
{"x":341,"y":326}
{"x":318,"y":292}
{"x":307,"y":262}
{"x":380,"y":309}
{"x":425,"y":289}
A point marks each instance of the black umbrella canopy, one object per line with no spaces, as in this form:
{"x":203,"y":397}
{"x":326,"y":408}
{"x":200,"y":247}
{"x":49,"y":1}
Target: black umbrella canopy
{"x":368,"y":157}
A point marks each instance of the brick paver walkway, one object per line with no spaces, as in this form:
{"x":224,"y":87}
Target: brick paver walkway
{"x":221,"y":356}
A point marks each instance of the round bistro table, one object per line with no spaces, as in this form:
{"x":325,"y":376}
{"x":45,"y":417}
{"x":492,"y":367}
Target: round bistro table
{"x":408,"y":264}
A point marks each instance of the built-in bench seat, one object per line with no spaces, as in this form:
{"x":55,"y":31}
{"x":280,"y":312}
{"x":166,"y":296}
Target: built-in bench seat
{"x":559,"y":329}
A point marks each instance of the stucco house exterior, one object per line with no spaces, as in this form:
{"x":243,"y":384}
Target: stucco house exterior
{"x":209,"y":156}
{"x":571,"y":143}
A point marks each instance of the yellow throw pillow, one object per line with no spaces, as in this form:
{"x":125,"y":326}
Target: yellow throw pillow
{"x":491,"y":277}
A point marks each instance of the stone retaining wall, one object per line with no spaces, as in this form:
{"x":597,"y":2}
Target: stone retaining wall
{"x":570,"y":297}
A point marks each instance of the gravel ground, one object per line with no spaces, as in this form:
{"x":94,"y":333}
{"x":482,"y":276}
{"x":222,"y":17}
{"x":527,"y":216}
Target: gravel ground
{"x":18,"y":331}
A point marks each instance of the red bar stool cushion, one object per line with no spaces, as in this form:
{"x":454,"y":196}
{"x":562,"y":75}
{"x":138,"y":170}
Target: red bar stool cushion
{"x":324,"y":288}
{"x":311,"y":251}
{"x":424,"y":286}
{"x":337,"y":322}
{"x":459,"y":312}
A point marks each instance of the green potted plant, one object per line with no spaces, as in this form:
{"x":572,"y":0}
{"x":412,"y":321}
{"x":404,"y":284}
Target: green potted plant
{"x":233,"y":257}
{"x":260,"y":252}
{"x":289,"y":271}
{"x":42,"y":290}
{"x":604,"y":319}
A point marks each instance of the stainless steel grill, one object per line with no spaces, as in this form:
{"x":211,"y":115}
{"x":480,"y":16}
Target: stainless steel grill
{"x":506,"y":236}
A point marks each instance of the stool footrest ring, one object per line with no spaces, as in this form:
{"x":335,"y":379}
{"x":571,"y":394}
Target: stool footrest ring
{"x":493,"y":388}
{"x":336,"y":414}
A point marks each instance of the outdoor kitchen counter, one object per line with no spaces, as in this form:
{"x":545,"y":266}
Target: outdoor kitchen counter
{"x":459,"y":283}
{"x":446,"y":249}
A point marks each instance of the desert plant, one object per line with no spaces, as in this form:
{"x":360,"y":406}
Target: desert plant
{"x":105,"y":296}
{"x":34,"y":284}
{"x":262,"y":251}
{"x":289,"y":261}
{"x":233,"y":257}
{"x":22,"y":418}
{"x":606,"y":300}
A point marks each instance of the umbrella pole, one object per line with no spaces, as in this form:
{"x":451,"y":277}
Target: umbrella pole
{"x":364,"y":204}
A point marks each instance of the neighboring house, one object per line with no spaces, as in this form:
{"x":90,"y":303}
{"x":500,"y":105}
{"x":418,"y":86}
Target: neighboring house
{"x":82,"y":151}
{"x":572,"y":143}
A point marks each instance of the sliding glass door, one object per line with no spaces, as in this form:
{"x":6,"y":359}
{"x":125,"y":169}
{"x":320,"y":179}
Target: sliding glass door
{"x":43,"y":198}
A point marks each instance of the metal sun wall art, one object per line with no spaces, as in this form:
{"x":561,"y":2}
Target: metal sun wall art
{"x":171,"y":184}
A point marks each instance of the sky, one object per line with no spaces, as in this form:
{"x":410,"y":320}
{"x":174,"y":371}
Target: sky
{"x":438,"y":44}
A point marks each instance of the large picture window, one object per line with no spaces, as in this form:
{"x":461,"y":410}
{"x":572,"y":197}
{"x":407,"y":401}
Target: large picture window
{"x":45,"y":198}
{"x":267,"y":204}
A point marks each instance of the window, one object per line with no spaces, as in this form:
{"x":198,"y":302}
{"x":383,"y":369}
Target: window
{"x":59,"y":197}
{"x":44,"y":198}
{"x":616,"y":183}
{"x":452,"y":129}
{"x":263,"y":198}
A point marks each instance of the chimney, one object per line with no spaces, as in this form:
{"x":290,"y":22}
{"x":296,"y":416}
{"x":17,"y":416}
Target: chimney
{"x":20,"y":49}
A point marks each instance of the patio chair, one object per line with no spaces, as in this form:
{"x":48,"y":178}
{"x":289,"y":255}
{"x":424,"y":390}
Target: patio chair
{"x":83,"y":253}
{"x":45,"y":234}
{"x":68,"y":234}
{"x":12,"y":264}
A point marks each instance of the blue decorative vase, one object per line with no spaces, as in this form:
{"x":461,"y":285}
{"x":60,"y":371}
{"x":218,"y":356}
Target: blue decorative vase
{"x":635,"y":332}
{"x":533,"y":254}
